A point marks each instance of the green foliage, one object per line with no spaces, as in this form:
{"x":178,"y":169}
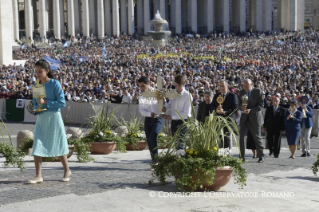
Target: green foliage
{"x":315,"y":166}
{"x":202,"y":155}
{"x":14,"y":157}
{"x":102,"y":122}
{"x":134,"y":126}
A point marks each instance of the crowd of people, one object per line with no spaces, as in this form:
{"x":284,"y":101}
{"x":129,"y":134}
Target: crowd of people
{"x":94,"y":70}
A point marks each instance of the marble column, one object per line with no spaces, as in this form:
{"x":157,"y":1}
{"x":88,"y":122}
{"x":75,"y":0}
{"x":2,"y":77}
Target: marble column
{"x":194,"y":16}
{"x":62,"y":21}
{"x":146,"y":16}
{"x":108,"y":17}
{"x":71,"y":25}
{"x":162,"y":8}
{"x":131,"y":18}
{"x":242,"y":15}
{"x":77,"y":17}
{"x":100,"y":19}
{"x":267,"y":15}
{"x":6,"y":32}
{"x":86,"y":18}
{"x":257,"y":17}
{"x":57,"y":19}
{"x":123,"y":16}
{"x":42,"y":18}
{"x":210,"y":16}
{"x":178,"y":17}
{"x":15,"y":13}
{"x":301,"y":15}
{"x":116,"y":17}
{"x":28,"y":19}
{"x":140,"y":17}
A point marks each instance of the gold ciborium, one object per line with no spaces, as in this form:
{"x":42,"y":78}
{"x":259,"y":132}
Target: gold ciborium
{"x":39,"y":92}
{"x":220,"y":101}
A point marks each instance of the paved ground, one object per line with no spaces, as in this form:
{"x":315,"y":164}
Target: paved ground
{"x":119,"y":182}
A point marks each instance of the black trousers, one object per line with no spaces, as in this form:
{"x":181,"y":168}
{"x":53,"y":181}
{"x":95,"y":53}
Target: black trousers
{"x":274,"y":141}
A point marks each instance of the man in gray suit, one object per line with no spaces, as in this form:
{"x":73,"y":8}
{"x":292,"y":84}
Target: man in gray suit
{"x":251,"y":117}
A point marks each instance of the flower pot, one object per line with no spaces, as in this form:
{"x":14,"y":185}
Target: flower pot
{"x":141,"y":145}
{"x":102,"y":147}
{"x":222,"y":177}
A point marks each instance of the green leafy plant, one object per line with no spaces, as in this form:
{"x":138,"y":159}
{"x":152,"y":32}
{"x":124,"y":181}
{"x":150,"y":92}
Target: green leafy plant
{"x":14,"y":156}
{"x":202,"y":155}
{"x":134,"y":126}
{"x":315,"y":166}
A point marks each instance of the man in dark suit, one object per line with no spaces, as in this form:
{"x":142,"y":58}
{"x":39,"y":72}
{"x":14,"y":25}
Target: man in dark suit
{"x":251,"y":117}
{"x":274,"y":125}
{"x":204,"y":108}
{"x":228,"y":107}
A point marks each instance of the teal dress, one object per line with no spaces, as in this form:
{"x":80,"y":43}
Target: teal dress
{"x":49,"y":133}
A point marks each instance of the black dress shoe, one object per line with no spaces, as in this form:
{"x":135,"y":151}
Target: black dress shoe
{"x":308,"y":154}
{"x":276,"y":156}
{"x":261,"y":159}
{"x":270,"y":153}
{"x":303,"y":155}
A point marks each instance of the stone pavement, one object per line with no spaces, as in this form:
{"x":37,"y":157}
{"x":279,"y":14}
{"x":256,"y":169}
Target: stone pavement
{"x":120,"y":182}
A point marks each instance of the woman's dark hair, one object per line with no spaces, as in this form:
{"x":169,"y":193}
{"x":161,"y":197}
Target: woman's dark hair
{"x":143,"y":79}
{"x":45,"y":65}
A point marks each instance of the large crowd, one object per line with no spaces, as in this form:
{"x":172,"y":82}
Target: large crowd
{"x":94,"y":70}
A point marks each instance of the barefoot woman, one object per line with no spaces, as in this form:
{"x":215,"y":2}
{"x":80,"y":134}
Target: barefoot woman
{"x":49,"y":134}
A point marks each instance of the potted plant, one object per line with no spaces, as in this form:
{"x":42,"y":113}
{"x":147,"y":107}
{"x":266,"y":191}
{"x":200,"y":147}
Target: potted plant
{"x":133,"y":139}
{"x":315,"y":166}
{"x":101,"y":138}
{"x":203,"y":166}
{"x":162,"y":141}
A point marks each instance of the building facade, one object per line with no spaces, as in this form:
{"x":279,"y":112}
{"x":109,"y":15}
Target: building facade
{"x":114,"y":17}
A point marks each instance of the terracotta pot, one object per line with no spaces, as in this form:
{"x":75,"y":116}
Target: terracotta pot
{"x":141,"y":145}
{"x":222,"y":177}
{"x":102,"y":147}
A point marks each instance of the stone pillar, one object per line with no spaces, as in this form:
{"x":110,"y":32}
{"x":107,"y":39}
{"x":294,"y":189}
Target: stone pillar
{"x":222,"y":15}
{"x":77,"y":17}
{"x":116,"y":18}
{"x":92,"y":12}
{"x":293,"y":15}
{"x":194,"y":16}
{"x":256,"y":15}
{"x":226,"y":15}
{"x":131,"y":18}
{"x":108,"y":17}
{"x":146,"y":16}
{"x":100,"y":19}
{"x":242,"y":15}
{"x":71,"y":25}
{"x":301,"y":15}
{"x":86,"y":18}
{"x":6,"y":32}
{"x":28,"y":19}
{"x":62,"y":21}
{"x":178,"y":17}
{"x":15,"y":12}
{"x":123,"y":16}
{"x":239,"y":15}
{"x":140,"y":17}
{"x":47,"y":26}
{"x":210,"y":16}
{"x":162,"y":9}
{"x":267,"y":15}
{"x":42,"y":17}
{"x":56,"y":19}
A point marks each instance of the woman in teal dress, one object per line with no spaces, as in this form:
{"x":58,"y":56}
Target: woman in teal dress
{"x":49,"y":134}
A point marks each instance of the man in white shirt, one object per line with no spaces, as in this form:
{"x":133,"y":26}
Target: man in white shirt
{"x":127,"y":98}
{"x":182,"y":104}
{"x":149,"y":108}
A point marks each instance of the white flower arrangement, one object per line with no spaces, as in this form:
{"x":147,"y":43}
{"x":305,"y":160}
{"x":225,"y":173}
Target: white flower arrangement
{"x":180,"y":152}
{"x":224,"y":152}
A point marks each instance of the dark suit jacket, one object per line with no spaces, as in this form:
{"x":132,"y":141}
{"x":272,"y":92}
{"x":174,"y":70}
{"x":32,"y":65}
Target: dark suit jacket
{"x":230,"y":104}
{"x":274,"y":123}
{"x":201,"y":116}
{"x":255,"y":104}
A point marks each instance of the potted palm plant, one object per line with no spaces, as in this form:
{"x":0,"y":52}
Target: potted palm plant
{"x":202,"y":165}
{"x":315,"y":166}
{"x":133,"y":139}
{"x":101,"y":138}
